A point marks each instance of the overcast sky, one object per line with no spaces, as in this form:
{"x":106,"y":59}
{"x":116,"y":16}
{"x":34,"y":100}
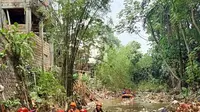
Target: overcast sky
{"x":116,"y":7}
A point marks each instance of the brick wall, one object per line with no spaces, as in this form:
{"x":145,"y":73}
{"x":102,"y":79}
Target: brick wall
{"x":21,"y":27}
{"x":38,"y":53}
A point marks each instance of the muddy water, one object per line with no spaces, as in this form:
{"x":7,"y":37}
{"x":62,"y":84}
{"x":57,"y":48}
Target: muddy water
{"x":130,"y":106}
{"x":137,"y":107}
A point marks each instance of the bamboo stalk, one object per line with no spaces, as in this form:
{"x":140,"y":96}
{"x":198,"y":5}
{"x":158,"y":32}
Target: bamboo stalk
{"x":194,"y":22}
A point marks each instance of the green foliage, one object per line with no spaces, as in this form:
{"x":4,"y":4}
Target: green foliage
{"x":186,"y":92}
{"x":114,"y":71}
{"x":174,"y":33}
{"x":11,"y":103}
{"x":75,"y":76}
{"x":2,"y":54}
{"x":145,"y":61}
{"x":85,"y":78}
{"x":48,"y":85}
{"x":142,"y":69}
{"x":193,"y":67}
{"x":34,"y":96}
{"x":45,"y":86}
{"x":2,"y":59}
{"x":149,"y":85}
{"x":18,"y":44}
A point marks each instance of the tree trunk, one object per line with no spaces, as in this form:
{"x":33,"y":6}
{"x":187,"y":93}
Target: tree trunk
{"x":194,"y":22}
{"x":70,"y":69}
{"x":181,"y":71}
{"x":64,"y":72}
{"x":70,"y":81}
{"x":66,"y":56}
{"x":184,"y":38}
{"x":172,"y":81}
{"x":153,"y":34}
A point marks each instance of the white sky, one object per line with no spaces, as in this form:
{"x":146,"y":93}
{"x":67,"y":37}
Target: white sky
{"x":116,"y":7}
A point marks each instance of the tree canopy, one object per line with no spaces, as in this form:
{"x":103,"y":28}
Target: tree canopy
{"x":174,"y":30}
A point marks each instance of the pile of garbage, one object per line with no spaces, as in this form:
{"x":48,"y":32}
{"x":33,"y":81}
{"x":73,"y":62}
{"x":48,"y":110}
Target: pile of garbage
{"x":185,"y":106}
{"x":149,"y":97}
{"x":178,"y":103}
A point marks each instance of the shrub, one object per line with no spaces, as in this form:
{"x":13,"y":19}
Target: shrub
{"x":11,"y":103}
{"x":151,"y":86}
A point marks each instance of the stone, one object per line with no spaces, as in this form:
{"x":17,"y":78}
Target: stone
{"x":1,"y":88}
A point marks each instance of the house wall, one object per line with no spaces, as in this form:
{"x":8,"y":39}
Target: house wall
{"x":94,"y":53}
{"x":12,"y":3}
{"x":38,"y":53}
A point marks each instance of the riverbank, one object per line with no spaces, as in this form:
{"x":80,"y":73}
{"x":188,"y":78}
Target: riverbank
{"x":142,"y":101}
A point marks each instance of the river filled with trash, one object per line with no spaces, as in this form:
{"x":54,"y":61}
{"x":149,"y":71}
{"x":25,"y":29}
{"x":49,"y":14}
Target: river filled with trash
{"x":132,"y":106}
{"x":149,"y":102}
{"x":136,"y":108}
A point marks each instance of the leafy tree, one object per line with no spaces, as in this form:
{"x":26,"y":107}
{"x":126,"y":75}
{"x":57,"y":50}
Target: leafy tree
{"x":142,"y":70}
{"x":173,"y":27}
{"x":114,"y":71}
{"x":77,"y":23}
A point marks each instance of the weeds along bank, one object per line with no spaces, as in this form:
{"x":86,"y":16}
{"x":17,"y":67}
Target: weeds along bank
{"x":46,"y":91}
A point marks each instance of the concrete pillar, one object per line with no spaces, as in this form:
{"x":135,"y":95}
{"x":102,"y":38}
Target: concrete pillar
{"x":28,"y":19}
{"x":2,"y":16}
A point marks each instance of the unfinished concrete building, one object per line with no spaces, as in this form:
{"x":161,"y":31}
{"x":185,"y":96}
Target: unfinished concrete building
{"x":24,"y":12}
